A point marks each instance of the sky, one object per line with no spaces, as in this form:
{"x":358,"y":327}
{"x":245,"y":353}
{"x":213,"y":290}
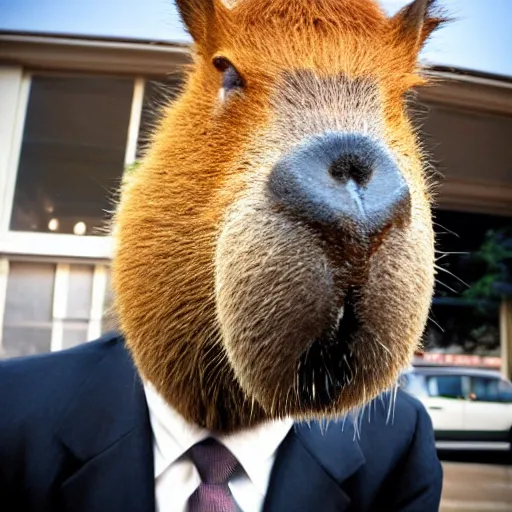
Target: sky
{"x":480,"y":38}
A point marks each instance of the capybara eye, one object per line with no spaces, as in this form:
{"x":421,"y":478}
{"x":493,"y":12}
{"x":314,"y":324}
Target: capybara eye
{"x":231,"y":77}
{"x":221,"y":63}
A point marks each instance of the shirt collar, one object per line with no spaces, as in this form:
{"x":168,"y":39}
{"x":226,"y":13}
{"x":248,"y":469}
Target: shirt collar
{"x":173,"y":436}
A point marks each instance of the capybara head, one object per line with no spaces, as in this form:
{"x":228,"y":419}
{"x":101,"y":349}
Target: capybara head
{"x":275,"y":252}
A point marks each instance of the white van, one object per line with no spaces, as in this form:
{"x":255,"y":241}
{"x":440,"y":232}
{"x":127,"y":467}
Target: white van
{"x":466,"y":405}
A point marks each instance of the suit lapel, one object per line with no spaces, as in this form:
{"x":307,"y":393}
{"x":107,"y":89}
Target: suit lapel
{"x":310,"y":467}
{"x":108,"y":433}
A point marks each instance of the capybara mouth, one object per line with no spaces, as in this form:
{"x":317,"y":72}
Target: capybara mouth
{"x":326,"y":366}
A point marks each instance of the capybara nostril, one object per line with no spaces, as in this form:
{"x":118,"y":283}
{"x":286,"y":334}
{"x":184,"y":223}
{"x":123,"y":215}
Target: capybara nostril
{"x":351,"y":166}
{"x":341,"y":182}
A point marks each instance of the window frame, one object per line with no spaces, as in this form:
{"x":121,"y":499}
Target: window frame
{"x":438,"y":376}
{"x":52,"y":244}
{"x":60,"y":294}
{"x":505,"y":383}
{"x":4,"y":276}
{"x":486,"y":379}
{"x":500,"y":381}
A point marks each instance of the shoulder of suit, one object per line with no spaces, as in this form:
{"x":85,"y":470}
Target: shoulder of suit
{"x":409,"y":402}
{"x":38,"y":388}
{"x":391,"y":412}
{"x":394,"y":415}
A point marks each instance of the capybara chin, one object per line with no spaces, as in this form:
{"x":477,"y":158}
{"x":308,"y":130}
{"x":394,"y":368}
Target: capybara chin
{"x":274,"y":250}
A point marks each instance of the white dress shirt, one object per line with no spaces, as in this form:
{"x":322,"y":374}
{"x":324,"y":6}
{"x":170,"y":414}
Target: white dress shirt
{"x":176,"y":477}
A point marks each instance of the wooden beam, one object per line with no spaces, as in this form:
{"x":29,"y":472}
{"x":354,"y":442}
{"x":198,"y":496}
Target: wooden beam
{"x":468,"y":92}
{"x":113,"y":57}
{"x":477,"y":197}
{"x":506,"y":338}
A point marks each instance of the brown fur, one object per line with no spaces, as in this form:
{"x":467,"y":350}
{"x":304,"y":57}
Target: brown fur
{"x":219,"y":295}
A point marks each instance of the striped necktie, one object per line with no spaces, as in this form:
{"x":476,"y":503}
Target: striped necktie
{"x":216,"y":465}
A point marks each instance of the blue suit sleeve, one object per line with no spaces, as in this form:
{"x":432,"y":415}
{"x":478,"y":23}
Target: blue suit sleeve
{"x":419,"y":477}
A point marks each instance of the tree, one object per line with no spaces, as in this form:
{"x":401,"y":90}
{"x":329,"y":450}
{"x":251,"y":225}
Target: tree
{"x":495,"y":257}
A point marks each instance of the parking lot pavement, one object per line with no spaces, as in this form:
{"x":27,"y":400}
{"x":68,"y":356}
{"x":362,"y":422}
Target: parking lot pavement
{"x":476,"y":487}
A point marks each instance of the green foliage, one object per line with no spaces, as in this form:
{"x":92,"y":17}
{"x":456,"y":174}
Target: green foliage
{"x":131,"y":167}
{"x":495,"y":258}
{"x":129,"y":171}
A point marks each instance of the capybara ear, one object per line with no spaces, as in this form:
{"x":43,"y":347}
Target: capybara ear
{"x":197,"y":16}
{"x":416,"y":22}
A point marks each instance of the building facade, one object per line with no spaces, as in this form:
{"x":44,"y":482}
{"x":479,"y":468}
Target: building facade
{"x":75,"y":113}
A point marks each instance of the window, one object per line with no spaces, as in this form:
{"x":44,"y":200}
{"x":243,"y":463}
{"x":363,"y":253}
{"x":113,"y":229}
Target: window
{"x":156,"y":95}
{"x":505,"y":389}
{"x":77,"y":312}
{"x":445,"y":386}
{"x":485,"y":390}
{"x":71,"y":136}
{"x":109,"y":321}
{"x":28,"y":309}
{"x":51,"y":307}
{"x":72,"y":154}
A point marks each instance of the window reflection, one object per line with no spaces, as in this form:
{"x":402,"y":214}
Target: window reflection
{"x":72,"y":153}
{"x":157,"y":94}
{"x":449,"y":386}
{"x":28,"y":309}
{"x":485,"y":390}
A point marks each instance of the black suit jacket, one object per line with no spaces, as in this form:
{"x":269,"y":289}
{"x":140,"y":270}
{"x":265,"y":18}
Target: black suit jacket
{"x":75,"y":436}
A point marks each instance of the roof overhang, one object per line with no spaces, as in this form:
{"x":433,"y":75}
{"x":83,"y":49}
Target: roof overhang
{"x":492,"y":94}
{"x":456,"y":89}
{"x":90,"y":55}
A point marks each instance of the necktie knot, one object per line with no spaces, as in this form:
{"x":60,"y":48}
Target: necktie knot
{"x":214,"y":462}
